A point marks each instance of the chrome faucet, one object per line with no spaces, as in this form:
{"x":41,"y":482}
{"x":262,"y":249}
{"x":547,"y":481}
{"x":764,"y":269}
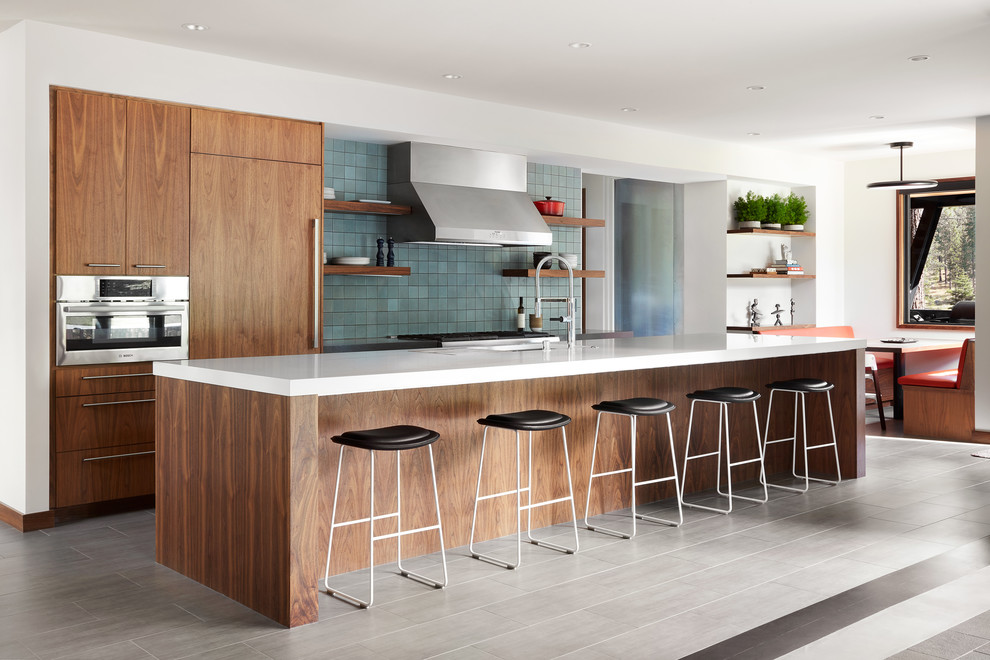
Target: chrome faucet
{"x":569,"y":318}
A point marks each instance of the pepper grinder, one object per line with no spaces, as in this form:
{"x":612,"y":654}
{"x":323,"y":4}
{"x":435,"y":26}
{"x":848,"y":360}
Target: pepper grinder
{"x":391,"y":252}
{"x":380,"y":257}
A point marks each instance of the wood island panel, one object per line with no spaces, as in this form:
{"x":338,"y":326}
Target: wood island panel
{"x":228,"y":509}
{"x":236,"y":511}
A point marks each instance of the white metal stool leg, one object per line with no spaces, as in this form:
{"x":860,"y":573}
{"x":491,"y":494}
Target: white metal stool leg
{"x":634,"y":484}
{"x":354,"y":600}
{"x":804,"y":441}
{"x":723,"y":421}
{"x":528,"y":507}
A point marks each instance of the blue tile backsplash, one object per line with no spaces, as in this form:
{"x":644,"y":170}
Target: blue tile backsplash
{"x":451,"y":288}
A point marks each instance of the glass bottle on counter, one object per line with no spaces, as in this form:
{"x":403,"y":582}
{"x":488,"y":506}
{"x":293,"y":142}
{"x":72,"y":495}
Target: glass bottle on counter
{"x":521,"y":317}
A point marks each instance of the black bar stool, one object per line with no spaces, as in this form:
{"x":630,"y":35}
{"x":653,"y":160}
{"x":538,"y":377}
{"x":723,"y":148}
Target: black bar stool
{"x":527,"y":420}
{"x":724,"y":397}
{"x":633,"y":408}
{"x":799,"y":387}
{"x":397,"y":439}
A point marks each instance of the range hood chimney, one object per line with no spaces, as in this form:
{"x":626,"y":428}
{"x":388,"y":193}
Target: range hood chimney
{"x":463,"y":196}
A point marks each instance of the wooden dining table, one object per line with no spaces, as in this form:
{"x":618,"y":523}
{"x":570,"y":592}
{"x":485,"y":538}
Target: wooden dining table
{"x":898,"y":350}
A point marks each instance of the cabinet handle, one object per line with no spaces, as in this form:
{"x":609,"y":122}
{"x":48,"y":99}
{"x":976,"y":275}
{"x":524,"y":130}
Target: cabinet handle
{"x":317,"y":272}
{"x":116,"y":376}
{"x":103,"y":458}
{"x":150,"y":266}
{"x":103,"y":265}
{"x":117,"y":403}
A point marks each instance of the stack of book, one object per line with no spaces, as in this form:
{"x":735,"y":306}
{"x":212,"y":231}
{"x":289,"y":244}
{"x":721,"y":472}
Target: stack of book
{"x":785,"y":267}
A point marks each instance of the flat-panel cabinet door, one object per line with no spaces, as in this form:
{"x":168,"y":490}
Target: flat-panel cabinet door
{"x":253,"y":264}
{"x":157,"y":188}
{"x":90,"y":183}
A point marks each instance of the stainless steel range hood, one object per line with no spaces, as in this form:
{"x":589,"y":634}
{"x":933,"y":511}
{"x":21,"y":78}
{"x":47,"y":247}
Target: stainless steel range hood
{"x":463,"y":196}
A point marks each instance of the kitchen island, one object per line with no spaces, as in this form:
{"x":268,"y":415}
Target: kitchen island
{"x":245,"y":465}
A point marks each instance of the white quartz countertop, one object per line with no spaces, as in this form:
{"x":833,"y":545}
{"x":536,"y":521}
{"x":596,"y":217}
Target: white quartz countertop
{"x":345,"y":373}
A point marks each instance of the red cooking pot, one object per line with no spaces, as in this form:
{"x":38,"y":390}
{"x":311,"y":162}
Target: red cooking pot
{"x":549,"y":207}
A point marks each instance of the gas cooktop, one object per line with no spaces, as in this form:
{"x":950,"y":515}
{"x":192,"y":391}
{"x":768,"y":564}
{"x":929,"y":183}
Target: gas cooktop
{"x":500,"y":336}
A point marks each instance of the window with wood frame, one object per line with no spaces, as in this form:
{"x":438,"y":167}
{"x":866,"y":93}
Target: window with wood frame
{"x":936,"y":257}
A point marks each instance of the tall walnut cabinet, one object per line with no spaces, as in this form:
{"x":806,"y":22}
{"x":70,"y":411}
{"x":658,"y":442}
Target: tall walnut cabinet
{"x":232,"y":200}
{"x":256,"y":236}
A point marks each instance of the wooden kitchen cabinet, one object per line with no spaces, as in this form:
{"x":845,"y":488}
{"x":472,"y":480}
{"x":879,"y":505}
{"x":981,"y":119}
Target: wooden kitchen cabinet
{"x":103,"y":433}
{"x":84,"y":477}
{"x":121,"y":186}
{"x":254,"y":136}
{"x":255,"y":257}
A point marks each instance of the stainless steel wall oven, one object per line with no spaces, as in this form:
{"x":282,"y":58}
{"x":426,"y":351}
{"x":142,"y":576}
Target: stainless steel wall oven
{"x":118,"y":318}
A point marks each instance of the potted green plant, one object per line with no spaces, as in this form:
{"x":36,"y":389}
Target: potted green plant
{"x":798,"y":212}
{"x":750,"y":211}
{"x":776,"y":212}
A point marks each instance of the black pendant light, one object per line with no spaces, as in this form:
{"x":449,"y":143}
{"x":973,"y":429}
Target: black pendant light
{"x":917,"y":183}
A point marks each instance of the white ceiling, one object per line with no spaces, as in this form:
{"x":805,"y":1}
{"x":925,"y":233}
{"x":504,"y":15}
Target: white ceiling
{"x":827,"y":66}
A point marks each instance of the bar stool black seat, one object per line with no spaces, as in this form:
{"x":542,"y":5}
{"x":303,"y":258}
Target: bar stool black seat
{"x":524,"y":421}
{"x":724,"y":397}
{"x":390,"y":438}
{"x":633,"y":408}
{"x":801,"y":387}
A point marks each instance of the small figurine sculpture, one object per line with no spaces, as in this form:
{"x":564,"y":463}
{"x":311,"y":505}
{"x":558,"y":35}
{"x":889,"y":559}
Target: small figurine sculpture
{"x":785,"y":252}
{"x":380,"y":257}
{"x":777,"y":311}
{"x":391,"y":252}
{"x":755,"y":314}
{"x":792,"y":311}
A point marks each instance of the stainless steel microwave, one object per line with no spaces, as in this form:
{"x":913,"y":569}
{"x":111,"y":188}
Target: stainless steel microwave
{"x":102,"y":319}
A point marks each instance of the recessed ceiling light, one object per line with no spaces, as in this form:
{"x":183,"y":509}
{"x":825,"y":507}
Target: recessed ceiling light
{"x":756,"y":88}
{"x":629,"y":109}
{"x":753,"y":134}
{"x":194,"y":27}
{"x":452,"y":76}
{"x":579,"y":44}
{"x":918,"y":58}
{"x":877,"y":117}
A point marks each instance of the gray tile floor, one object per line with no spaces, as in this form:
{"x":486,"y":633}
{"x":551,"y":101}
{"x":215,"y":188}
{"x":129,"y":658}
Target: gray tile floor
{"x":91,"y":589}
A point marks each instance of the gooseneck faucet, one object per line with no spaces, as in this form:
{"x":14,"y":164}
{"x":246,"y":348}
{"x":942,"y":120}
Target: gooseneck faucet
{"x":569,"y":318}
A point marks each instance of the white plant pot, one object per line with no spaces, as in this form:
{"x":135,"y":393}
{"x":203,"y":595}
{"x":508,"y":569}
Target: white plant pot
{"x":794,"y":227}
{"x":770,"y":225}
{"x":749,"y":224}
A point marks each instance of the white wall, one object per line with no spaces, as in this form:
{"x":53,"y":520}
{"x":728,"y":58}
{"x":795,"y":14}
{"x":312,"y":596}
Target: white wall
{"x":870,"y":241}
{"x":703,"y":277}
{"x":13,"y":251}
{"x":983,"y":274}
{"x":54,"y":55}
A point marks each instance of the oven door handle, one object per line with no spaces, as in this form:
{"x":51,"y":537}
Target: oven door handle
{"x":123,"y":307}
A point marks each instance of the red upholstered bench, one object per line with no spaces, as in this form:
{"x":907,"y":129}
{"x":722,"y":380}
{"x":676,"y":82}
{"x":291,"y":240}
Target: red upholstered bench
{"x":940,"y":404}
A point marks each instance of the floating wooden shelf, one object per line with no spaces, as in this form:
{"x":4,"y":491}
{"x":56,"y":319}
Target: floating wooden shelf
{"x":776,"y":232}
{"x":749,"y":328}
{"x":339,"y":206}
{"x":771,"y":276}
{"x":572,"y":222}
{"x":379,"y":271}
{"x":550,"y":272}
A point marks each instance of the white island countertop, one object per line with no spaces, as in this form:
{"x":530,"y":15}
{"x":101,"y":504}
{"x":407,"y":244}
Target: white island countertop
{"x":346,"y":373}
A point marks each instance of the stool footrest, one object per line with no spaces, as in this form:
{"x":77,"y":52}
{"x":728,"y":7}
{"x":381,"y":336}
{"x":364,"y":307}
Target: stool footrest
{"x":502,"y":494}
{"x":422,"y":578}
{"x":827,"y":444}
{"x":773,"y":442}
{"x":364,"y":520}
{"x":536,"y":505}
{"x":552,"y":546}
{"x":711,"y":453}
{"x":747,"y":461}
{"x":654,"y":481}
{"x":404,"y":532}
{"x":595,"y":475}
